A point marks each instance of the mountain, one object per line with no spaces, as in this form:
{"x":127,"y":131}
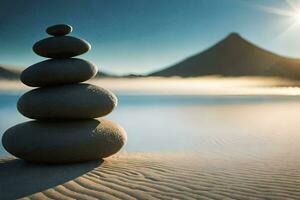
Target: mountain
{"x":6,"y":73}
{"x":234,"y":56}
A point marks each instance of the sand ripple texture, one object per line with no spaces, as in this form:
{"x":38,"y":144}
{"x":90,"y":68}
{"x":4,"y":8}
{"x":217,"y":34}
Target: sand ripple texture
{"x":155,"y":176}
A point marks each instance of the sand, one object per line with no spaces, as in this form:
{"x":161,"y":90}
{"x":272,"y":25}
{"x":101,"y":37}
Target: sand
{"x":155,"y":176}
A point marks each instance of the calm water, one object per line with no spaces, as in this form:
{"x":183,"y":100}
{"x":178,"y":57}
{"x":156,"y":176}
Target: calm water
{"x":249,"y":125}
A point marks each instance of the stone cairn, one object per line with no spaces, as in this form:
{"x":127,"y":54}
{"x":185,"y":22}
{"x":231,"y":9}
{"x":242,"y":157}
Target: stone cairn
{"x":64,"y":129}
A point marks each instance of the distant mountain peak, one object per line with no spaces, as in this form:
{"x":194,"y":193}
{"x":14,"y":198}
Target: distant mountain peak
{"x":234,"y":56}
{"x":234,"y":35}
{"x":234,"y":38}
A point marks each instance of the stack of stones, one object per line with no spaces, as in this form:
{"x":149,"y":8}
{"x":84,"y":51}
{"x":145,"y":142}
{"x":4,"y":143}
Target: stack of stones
{"x":64,"y":129}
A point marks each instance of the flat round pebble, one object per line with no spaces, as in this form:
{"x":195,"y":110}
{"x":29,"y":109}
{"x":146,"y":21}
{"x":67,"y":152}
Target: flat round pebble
{"x":61,"y":47}
{"x":58,"y":72}
{"x":64,"y":141}
{"x":73,"y":101}
{"x":59,"y":29}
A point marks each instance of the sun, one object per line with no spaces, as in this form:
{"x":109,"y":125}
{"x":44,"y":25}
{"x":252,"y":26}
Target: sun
{"x":292,"y":12}
{"x":297,"y":16}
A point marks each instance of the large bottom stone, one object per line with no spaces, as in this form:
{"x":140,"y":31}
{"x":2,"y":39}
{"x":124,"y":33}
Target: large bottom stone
{"x":64,"y":141}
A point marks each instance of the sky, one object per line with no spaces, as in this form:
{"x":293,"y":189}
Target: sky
{"x":142,"y":36}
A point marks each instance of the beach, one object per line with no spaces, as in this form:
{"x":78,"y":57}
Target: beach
{"x":155,"y":176}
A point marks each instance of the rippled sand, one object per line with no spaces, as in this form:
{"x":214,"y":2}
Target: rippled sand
{"x":156,"y":176}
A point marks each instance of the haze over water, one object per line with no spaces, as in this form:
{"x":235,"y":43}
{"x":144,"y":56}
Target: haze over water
{"x":251,"y":125}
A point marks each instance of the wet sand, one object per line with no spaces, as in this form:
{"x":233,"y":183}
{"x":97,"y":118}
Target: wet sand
{"x":156,"y":176}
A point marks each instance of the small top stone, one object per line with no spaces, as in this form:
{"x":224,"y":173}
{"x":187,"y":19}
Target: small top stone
{"x":59,"y":29}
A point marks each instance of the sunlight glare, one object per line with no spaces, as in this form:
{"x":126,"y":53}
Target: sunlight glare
{"x":293,"y":13}
{"x":297,"y":16}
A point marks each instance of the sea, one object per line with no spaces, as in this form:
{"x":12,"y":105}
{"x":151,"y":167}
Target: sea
{"x":245,"y":125}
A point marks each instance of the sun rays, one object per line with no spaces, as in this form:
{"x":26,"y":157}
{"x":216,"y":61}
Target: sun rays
{"x":292,"y":13}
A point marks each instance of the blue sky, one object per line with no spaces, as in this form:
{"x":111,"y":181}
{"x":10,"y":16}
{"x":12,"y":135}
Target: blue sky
{"x":140,"y":36}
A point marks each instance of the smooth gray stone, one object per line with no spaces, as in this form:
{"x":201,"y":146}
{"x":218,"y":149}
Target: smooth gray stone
{"x":61,"y":47}
{"x":59,"y":29}
{"x":74,"y":101}
{"x":64,"y":141}
{"x":57,"y":72}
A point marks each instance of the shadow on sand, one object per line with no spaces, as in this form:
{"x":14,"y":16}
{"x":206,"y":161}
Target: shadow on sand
{"x":19,"y":179}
